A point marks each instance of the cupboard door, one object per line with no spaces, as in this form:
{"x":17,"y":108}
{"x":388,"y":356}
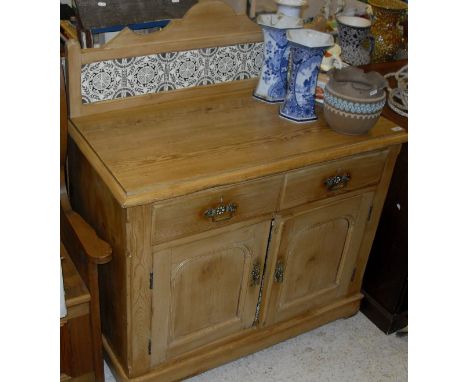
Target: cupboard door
{"x":206,"y":289}
{"x":315,"y":255}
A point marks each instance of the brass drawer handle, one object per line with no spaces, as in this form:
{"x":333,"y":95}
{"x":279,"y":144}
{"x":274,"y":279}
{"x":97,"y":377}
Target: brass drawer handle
{"x":255,"y":275}
{"x":221,"y":212}
{"x":337,"y":182}
{"x":279,"y":272}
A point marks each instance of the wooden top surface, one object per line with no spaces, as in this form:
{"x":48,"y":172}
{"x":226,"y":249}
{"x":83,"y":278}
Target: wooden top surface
{"x":151,"y":153}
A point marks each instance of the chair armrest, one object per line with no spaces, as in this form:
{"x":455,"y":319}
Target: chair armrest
{"x":97,"y":250}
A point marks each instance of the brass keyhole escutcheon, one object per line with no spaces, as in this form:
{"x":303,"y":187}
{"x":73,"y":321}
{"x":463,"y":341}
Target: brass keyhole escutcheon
{"x":279,"y":272}
{"x":255,"y":275}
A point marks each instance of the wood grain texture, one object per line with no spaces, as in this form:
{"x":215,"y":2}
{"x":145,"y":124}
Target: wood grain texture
{"x":203,"y":289}
{"x":164,"y":97}
{"x":75,"y":335}
{"x":185,"y":216}
{"x":237,"y":346}
{"x":79,"y":331}
{"x":93,"y":200}
{"x":76,"y":292}
{"x":308,"y":184}
{"x":181,"y":147}
{"x":73,"y":52}
{"x":85,"y":240}
{"x":139,"y":298}
{"x":318,"y":247}
{"x":98,"y":166}
{"x":76,"y":347}
{"x":65,"y":352}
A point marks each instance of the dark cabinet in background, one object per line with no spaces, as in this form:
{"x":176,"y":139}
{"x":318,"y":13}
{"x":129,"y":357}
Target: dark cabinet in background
{"x":385,"y":284}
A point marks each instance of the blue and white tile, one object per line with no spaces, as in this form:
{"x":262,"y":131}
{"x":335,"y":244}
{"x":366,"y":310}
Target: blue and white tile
{"x":133,"y":76}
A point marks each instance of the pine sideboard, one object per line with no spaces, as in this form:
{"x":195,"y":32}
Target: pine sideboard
{"x":231,"y":228}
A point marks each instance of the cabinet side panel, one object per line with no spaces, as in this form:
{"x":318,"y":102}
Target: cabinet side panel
{"x":93,"y":201}
{"x":139,"y":293}
{"x":373,"y":219}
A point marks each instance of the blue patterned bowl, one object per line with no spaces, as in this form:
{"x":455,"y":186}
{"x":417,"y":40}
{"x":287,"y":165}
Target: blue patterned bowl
{"x":351,"y":115}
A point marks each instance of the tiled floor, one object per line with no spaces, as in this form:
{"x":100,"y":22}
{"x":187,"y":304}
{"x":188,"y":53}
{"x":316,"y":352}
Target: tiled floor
{"x":350,"y":350}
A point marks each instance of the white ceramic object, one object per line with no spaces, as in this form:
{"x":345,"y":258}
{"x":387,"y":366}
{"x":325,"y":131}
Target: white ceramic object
{"x":310,"y":38}
{"x":290,"y":7}
{"x":331,"y":59}
{"x":354,"y":8}
{"x":280,"y":21}
{"x":354,"y":21}
{"x":271,"y":85}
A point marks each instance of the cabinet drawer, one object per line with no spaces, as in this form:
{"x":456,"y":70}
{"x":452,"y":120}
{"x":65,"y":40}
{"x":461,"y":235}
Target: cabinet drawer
{"x":204,"y":210}
{"x":332,"y":178}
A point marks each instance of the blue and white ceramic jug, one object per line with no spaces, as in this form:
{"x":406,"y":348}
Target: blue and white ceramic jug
{"x":307,"y":48}
{"x":271,"y":86}
{"x":353,"y":34}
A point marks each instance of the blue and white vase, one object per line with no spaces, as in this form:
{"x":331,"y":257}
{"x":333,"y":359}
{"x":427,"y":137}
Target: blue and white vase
{"x":307,"y":48}
{"x":271,"y":85}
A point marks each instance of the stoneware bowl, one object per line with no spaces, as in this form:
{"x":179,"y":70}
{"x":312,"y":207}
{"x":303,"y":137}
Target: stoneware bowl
{"x":353,"y":100}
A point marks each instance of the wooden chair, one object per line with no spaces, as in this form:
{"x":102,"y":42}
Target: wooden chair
{"x":82,"y":251}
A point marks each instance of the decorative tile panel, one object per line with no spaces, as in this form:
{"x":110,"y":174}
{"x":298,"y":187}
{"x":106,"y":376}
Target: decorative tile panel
{"x":134,"y":76}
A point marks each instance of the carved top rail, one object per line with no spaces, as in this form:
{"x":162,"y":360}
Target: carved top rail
{"x":210,"y":45}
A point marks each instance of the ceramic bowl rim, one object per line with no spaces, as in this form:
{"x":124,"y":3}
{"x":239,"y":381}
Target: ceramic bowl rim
{"x":354,"y":99}
{"x":290,"y":34}
{"x":353,"y":18}
{"x":299,"y":21}
{"x":381,"y":4}
{"x":292,"y":3}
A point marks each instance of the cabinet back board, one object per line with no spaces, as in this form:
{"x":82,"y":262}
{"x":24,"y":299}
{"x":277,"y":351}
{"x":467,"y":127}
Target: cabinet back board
{"x":132,"y":69}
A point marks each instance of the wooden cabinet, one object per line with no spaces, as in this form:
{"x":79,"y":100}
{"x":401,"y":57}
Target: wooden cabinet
{"x":231,"y":229}
{"x":188,"y":290}
{"x":315,"y":256}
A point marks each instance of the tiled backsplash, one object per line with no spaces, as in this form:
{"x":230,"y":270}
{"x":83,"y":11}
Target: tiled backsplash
{"x":134,"y":76}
